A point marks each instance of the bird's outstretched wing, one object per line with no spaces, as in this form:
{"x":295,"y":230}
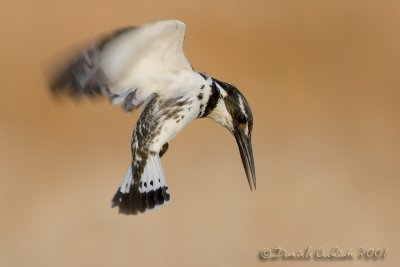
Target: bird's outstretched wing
{"x":129,"y":66}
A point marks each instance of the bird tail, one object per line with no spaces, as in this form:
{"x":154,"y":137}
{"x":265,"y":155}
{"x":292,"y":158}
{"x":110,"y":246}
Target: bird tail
{"x":151,"y":190}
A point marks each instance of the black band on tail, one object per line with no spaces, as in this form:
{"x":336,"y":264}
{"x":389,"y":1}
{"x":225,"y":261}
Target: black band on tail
{"x":134,"y":201}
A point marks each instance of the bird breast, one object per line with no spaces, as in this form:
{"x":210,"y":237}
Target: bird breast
{"x":171,"y":116}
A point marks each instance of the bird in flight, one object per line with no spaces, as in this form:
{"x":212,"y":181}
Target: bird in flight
{"x":145,"y":65}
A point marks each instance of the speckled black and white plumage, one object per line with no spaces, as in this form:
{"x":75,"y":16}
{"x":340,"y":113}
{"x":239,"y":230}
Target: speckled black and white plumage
{"x":146,"y":65}
{"x":140,"y":191}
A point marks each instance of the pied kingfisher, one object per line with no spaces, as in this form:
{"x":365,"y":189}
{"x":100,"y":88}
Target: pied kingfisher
{"x":146,"y":65}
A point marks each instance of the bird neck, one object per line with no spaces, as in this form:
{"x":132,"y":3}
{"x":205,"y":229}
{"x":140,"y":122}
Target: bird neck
{"x":211,"y":102}
{"x":213,"y":105}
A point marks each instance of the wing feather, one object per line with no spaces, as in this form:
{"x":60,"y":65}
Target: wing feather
{"x":135,"y":62}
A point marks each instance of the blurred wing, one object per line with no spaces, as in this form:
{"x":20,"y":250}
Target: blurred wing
{"x":129,"y":66}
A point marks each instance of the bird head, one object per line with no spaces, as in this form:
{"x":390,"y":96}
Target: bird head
{"x":233,"y":112}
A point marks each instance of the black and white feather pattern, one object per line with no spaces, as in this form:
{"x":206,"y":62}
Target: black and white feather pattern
{"x":137,"y":65}
{"x":149,"y":191}
{"x":130,"y":65}
{"x":146,"y":65}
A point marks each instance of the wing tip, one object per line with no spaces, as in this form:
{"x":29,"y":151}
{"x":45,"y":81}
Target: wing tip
{"x":179,"y":23}
{"x":80,"y":76}
{"x":175,"y":23}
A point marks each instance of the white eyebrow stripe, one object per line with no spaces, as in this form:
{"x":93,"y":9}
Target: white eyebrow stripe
{"x":242,"y":106}
{"x":221,"y":90}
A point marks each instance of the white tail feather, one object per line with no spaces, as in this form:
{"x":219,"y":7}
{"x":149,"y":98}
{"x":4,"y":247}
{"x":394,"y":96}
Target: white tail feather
{"x":148,"y":193}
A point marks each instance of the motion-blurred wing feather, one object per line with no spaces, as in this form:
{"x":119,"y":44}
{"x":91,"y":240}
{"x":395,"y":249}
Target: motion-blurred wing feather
{"x":132,"y":64}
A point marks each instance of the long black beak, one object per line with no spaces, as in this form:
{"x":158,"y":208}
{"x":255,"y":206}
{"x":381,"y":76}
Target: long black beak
{"x":246,"y":153}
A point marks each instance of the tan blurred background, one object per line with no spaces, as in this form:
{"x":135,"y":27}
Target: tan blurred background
{"x":323,"y":81}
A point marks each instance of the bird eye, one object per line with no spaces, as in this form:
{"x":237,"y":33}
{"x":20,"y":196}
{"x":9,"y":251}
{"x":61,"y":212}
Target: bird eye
{"x":242,"y":119}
